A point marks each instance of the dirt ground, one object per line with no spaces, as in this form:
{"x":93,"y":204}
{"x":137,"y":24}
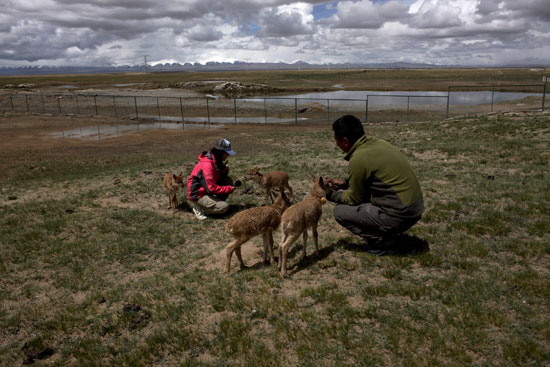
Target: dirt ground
{"x":27,"y":138}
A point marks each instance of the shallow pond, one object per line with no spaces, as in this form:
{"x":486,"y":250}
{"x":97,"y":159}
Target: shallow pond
{"x":99,"y":132}
{"x":417,"y":97}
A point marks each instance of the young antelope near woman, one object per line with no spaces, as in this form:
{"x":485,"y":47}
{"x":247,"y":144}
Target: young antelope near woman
{"x":296,"y":220}
{"x":172,"y":183}
{"x":252,"y":222}
{"x":269,"y":181}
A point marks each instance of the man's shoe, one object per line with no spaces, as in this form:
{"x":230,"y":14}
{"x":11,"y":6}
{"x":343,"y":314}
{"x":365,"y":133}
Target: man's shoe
{"x":198,"y":213}
{"x":379,"y":243}
{"x":389,"y":242}
{"x":382,"y":245}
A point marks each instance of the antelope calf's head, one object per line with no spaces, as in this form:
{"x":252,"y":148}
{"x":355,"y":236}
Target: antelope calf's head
{"x":253,"y":174}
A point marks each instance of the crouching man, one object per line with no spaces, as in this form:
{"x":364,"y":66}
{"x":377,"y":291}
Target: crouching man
{"x":382,"y":196}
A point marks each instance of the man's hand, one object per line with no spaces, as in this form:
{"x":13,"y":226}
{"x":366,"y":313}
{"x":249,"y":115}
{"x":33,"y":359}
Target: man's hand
{"x":336,"y":184}
{"x":237,"y":183}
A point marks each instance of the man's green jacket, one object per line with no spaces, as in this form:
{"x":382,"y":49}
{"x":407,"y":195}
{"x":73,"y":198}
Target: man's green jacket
{"x":381,"y":175}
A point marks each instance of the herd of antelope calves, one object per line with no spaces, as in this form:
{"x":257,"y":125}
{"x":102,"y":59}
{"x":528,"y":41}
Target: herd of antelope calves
{"x":295,"y":220}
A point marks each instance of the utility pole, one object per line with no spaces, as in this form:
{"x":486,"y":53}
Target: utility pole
{"x":145,"y":63}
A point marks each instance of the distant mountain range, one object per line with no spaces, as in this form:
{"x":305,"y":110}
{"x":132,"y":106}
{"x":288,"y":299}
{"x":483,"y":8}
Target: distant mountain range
{"x":209,"y":66}
{"x":225,"y":66}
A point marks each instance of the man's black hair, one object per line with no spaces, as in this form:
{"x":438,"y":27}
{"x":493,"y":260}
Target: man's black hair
{"x":348,"y":126}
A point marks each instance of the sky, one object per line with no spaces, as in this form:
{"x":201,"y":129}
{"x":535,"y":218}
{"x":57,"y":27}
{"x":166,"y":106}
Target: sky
{"x":132,"y":32}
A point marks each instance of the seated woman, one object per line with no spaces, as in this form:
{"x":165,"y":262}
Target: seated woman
{"x":209,"y":183}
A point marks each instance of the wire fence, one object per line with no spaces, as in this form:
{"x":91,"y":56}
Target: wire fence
{"x":210,"y":110}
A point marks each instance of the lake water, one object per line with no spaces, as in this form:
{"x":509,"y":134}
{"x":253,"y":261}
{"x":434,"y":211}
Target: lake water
{"x":127,"y":84}
{"x":416,"y":97}
{"x":99,"y":132}
{"x":227,"y":120}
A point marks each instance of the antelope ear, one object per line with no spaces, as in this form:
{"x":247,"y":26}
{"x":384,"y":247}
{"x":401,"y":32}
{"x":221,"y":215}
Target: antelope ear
{"x":321,"y":180}
{"x":174,"y":175}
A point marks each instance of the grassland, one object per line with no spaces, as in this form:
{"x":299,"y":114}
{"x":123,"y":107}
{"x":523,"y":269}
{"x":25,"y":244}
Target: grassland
{"x":97,"y":271}
{"x":305,"y":80}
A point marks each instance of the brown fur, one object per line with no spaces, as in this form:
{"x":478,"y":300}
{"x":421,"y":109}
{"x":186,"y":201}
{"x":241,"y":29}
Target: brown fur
{"x":252,"y":222}
{"x":172,"y":183}
{"x":296,"y":220}
{"x":269,"y":181}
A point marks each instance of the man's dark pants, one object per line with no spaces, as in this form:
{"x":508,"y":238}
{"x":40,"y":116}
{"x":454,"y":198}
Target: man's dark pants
{"x":371,"y":223}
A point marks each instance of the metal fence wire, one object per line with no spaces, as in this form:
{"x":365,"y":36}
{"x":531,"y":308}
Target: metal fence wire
{"x":374,"y":108}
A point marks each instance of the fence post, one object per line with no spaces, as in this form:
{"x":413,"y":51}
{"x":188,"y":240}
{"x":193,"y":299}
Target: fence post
{"x":328,"y":111}
{"x":59,"y":103}
{"x":208,"y":110}
{"x":235,"y":108}
{"x":77,"y":105}
{"x":27,"y":102}
{"x":181,"y":110}
{"x":95,"y":103}
{"x":135,"y":106}
{"x":265,"y":112}
{"x":543,"y":95}
{"x":158,"y":108}
{"x":114,"y":105}
{"x":448,"y":101}
{"x":408,"y":106}
{"x":11,"y":102}
{"x":42,"y":100}
{"x":296,"y":110}
{"x":367,"y":114}
{"x":492,"y":98}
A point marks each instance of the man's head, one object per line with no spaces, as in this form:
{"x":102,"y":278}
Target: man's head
{"x":347,"y":130}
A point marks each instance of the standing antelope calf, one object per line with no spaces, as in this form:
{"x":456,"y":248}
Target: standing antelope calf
{"x":172,"y":183}
{"x":270,"y":180}
{"x":252,"y":222}
{"x":296,"y":220}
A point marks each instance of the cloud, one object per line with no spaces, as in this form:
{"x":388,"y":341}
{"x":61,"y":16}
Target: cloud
{"x":366,"y":14}
{"x":507,"y":9}
{"x":438,"y":14}
{"x":286,"y":21}
{"x":122,"y":31}
{"x":204,"y":33}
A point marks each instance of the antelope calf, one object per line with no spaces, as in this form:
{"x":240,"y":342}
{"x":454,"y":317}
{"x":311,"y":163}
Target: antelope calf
{"x":252,"y":222}
{"x":172,"y":183}
{"x":270,"y":180}
{"x":296,"y":220}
